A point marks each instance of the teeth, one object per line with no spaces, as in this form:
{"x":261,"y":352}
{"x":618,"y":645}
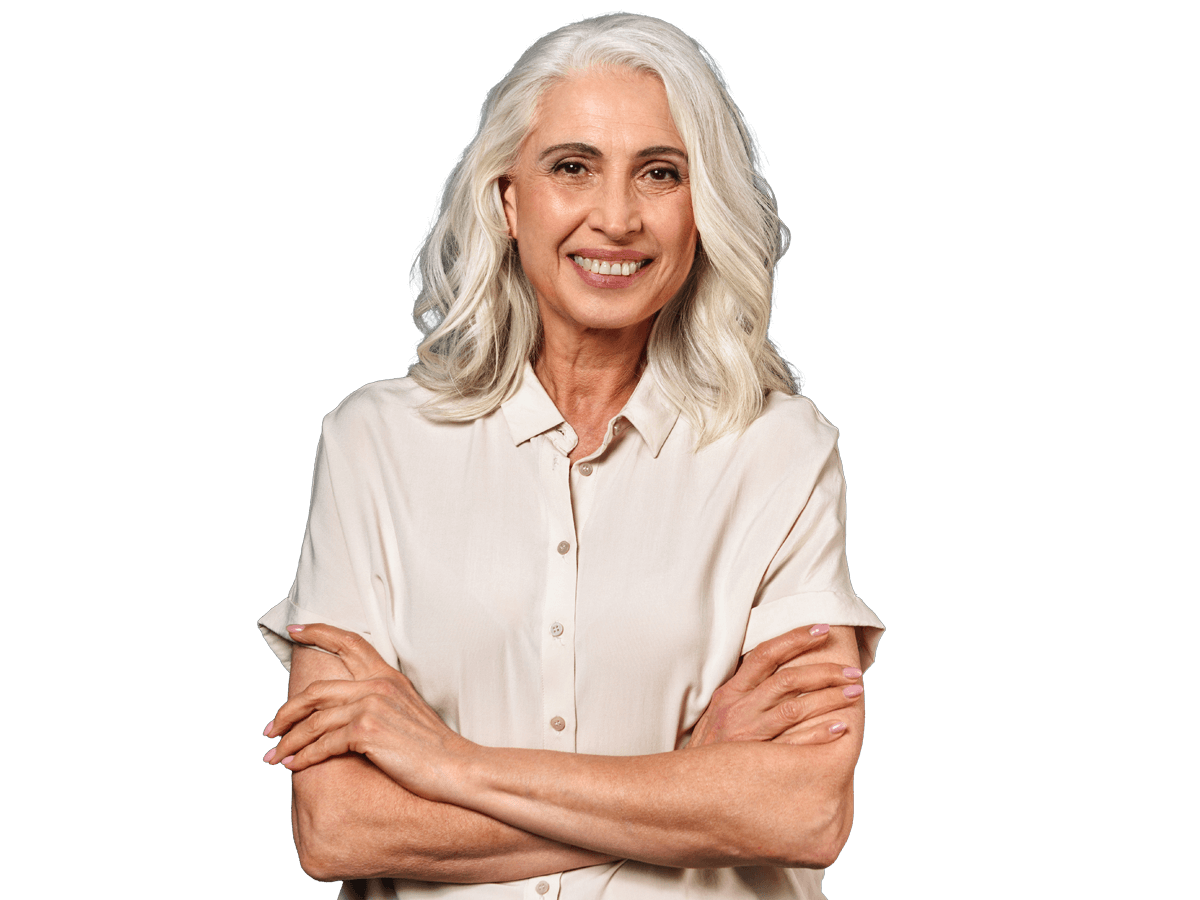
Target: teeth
{"x":606,"y":267}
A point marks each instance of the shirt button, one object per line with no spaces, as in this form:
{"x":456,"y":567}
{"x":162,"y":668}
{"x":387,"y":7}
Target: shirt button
{"x":556,"y":629}
{"x":564,"y":547}
{"x":557,"y":723}
{"x":585,"y":468}
{"x":542,"y":887}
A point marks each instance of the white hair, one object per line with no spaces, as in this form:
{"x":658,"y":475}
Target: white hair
{"x":708,"y":349}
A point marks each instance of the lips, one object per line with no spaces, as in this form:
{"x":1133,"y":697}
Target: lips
{"x":597,"y":253}
{"x":621,"y":267}
{"x":610,"y":273}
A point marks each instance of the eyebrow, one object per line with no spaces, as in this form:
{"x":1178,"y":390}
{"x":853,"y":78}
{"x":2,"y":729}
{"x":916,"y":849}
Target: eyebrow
{"x":588,"y":150}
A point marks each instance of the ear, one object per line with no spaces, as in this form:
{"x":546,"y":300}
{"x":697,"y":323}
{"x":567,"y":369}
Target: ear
{"x":508,"y":196}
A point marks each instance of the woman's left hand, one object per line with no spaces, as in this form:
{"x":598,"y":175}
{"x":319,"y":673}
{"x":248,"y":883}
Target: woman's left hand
{"x":775,"y":697}
{"x":379,"y":714}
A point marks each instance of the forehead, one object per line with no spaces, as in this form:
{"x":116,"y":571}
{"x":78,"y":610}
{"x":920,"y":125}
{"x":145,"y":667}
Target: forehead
{"x":613,"y":109}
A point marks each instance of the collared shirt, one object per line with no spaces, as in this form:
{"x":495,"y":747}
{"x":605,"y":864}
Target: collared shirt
{"x":588,"y":608}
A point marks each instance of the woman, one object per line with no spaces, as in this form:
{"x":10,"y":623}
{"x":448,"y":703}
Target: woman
{"x":595,"y":492}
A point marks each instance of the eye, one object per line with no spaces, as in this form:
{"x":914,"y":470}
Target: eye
{"x":570,"y":167}
{"x":662,"y":173}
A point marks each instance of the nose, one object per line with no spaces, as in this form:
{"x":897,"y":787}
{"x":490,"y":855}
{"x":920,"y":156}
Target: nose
{"x":616,"y":212}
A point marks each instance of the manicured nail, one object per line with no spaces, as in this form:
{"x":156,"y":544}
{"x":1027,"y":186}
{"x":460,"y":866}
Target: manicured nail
{"x":267,"y":730}
{"x":851,"y":672}
{"x":288,"y":759}
{"x":270,"y":755}
{"x":295,"y":628}
{"x":837,"y":727}
{"x":853,"y":691}
{"x":818,"y":630}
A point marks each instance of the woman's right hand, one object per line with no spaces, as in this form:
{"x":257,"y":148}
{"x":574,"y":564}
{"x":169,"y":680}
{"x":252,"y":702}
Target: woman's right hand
{"x":769,"y":700}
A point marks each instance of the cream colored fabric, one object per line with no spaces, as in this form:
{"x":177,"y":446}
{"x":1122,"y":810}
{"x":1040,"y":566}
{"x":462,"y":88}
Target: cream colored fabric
{"x":591,"y":608}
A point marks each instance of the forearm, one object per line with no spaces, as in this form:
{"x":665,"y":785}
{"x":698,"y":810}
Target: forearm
{"x":726,"y":804}
{"x":352,"y":821}
{"x":729,"y":804}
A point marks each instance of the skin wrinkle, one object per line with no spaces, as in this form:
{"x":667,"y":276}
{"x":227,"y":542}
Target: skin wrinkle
{"x":588,"y":150}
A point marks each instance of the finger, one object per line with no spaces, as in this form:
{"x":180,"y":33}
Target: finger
{"x":328,"y":745}
{"x":805,"y":678}
{"x":353,"y":649}
{"x":821,"y":733}
{"x":318,"y":695}
{"x":310,"y":730}
{"x":768,"y":656}
{"x":795,"y":710}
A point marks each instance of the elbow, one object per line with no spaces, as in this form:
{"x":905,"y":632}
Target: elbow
{"x":329,"y":854}
{"x":828,"y":847}
{"x":340,"y":841}
{"x":326,"y":842}
{"x":317,"y":866}
{"x":819,"y":835}
{"x":320,"y":857}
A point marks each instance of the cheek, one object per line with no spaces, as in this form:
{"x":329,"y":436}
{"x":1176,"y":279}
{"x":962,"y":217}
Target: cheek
{"x":683,"y":230}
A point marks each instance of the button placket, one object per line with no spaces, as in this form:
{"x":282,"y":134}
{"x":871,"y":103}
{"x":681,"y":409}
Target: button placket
{"x":558,"y":607}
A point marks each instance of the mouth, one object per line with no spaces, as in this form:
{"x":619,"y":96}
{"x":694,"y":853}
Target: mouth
{"x":619,"y":267}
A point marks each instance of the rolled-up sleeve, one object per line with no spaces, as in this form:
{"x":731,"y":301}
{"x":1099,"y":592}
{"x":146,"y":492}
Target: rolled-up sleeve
{"x":808,"y":580}
{"x":330,"y":583}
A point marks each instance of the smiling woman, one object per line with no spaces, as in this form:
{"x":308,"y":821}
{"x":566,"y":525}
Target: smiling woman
{"x":600,"y":207}
{"x":565,"y":575}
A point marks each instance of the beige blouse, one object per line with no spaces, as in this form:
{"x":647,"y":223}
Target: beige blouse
{"x":591,"y":608}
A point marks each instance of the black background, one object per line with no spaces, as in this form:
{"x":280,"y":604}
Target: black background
{"x":322,"y":147}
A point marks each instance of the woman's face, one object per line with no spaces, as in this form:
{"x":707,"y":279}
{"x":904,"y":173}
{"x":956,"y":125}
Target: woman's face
{"x":600,"y":204}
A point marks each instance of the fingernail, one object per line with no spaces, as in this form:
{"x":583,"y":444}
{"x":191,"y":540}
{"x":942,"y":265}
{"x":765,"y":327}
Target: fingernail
{"x":818,"y":629}
{"x":288,"y":759}
{"x":853,"y":691}
{"x":295,"y":628}
{"x":270,"y":755}
{"x":849,"y":672}
{"x":267,"y":730}
{"x":837,"y":727}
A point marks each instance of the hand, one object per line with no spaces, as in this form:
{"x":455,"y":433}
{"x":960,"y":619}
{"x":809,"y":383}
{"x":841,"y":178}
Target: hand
{"x":379,"y":714}
{"x":768,"y":701}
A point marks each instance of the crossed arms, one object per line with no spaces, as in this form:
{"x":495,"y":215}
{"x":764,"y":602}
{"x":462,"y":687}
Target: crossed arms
{"x":383,"y":788}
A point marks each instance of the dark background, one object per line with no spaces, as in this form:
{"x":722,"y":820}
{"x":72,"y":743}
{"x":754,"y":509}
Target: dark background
{"x":322,"y":153}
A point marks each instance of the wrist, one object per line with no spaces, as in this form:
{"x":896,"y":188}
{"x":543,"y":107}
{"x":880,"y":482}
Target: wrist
{"x":461,"y":775}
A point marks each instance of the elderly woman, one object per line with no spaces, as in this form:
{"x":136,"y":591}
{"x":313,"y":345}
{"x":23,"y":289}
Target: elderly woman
{"x":596,"y":492}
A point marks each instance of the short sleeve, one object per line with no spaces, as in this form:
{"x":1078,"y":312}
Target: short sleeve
{"x":332,"y":585}
{"x":808,"y":580}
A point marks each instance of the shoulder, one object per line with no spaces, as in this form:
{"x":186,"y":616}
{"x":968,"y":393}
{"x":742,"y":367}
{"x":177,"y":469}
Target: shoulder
{"x":379,"y":398}
{"x":794,"y":422}
{"x":390,"y":408}
{"x":795,"y":408}
{"x":778,"y":458}
{"x":390,"y":421}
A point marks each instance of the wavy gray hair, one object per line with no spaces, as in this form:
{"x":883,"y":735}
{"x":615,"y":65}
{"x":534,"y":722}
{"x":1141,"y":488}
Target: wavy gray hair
{"x":708,"y":350}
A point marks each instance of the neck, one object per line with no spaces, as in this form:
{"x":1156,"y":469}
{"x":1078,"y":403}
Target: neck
{"x":590,"y":377}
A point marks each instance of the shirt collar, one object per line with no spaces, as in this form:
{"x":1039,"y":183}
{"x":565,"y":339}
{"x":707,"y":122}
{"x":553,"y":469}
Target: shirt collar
{"x":530,"y":411}
{"x":651,"y":413}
